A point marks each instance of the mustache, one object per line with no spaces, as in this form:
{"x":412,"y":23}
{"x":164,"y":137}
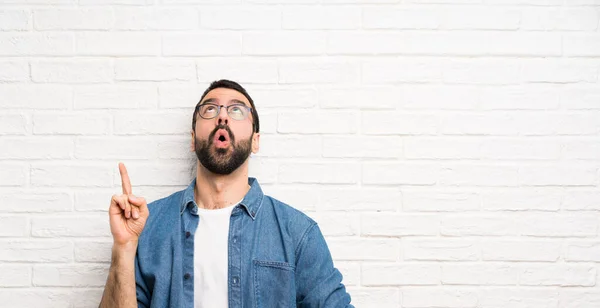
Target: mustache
{"x":221,"y":126}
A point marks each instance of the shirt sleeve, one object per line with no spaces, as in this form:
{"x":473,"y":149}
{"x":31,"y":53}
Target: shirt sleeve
{"x":318,"y":282}
{"x":141,"y":290}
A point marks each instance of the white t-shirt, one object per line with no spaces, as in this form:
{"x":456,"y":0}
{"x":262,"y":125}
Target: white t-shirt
{"x":211,"y":258}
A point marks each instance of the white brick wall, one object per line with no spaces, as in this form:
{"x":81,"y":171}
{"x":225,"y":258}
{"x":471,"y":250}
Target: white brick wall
{"x":450,"y":149}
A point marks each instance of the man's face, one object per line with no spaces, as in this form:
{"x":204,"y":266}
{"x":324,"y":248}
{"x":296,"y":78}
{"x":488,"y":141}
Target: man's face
{"x":223,"y":144}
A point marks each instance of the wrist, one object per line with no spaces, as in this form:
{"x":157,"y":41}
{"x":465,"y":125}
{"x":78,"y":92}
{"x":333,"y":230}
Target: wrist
{"x":124,"y":250}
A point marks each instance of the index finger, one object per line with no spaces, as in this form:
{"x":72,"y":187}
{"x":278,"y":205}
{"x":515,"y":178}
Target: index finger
{"x":125,"y":183}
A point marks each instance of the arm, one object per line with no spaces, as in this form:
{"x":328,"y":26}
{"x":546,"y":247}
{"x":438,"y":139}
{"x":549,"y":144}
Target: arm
{"x":318,"y":282}
{"x":120,"y":289}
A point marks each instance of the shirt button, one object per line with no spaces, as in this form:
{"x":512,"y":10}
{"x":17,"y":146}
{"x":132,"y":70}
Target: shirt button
{"x":235,"y":280}
{"x":187,"y":234}
{"x":186,"y":276}
{"x":235,"y":239}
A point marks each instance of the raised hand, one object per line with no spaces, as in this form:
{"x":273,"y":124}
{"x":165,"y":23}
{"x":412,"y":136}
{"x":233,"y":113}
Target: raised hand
{"x":127,"y":213}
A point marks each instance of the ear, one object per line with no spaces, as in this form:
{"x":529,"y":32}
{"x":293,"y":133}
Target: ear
{"x":193,"y":142}
{"x":255,"y":142}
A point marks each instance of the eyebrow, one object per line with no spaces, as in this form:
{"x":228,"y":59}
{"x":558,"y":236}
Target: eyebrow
{"x":213,"y":100}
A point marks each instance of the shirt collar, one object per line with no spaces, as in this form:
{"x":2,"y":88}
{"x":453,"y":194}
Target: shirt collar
{"x":251,"y":202}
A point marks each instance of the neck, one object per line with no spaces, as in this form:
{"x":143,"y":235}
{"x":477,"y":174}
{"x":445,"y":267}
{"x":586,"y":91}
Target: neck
{"x":216,"y":191}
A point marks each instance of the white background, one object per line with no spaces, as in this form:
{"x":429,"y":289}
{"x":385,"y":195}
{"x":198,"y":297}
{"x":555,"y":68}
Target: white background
{"x":449,"y":149}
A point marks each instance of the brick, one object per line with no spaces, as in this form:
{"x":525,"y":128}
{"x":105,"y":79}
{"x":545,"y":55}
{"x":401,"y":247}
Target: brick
{"x":14,"y":70}
{"x":570,"y":297}
{"x":144,"y":18}
{"x":399,"y":173}
{"x":558,"y":275}
{"x":479,"y":175}
{"x":559,"y":225}
{"x":155,"y":70}
{"x":479,"y":124}
{"x":117,"y":44}
{"x":581,"y":149}
{"x":290,"y":146}
{"x":325,"y":173}
{"x":580,"y":97}
{"x":264,"y":169}
{"x":97,"y":200}
{"x":202,"y":44}
{"x":321,"y":122}
{"x":423,"y":249}
{"x":549,"y":19}
{"x":303,"y":197}
{"x":36,"y":44}
{"x":14,"y":19}
{"x":581,"y":44}
{"x":93,"y":251}
{"x":318,"y":72}
{"x":364,"y":249}
{"x":14,"y":174}
{"x":69,"y":226}
{"x":175,"y":149}
{"x":396,"y":123}
{"x":71,"y":275}
{"x":321,"y":17}
{"x":400,"y":274}
{"x":441,"y":148}
{"x":283,"y":96}
{"x":61,"y":175}
{"x":391,"y":71}
{"x":241,"y":70}
{"x":581,"y":200}
{"x":238,"y":17}
{"x":365,"y":199}
{"x":268,"y":122}
{"x":35,"y":96}
{"x":588,"y":251}
{"x":439,"y":297}
{"x":123,"y":2}
{"x":35,"y":251}
{"x":482,"y":71}
{"x":520,"y":149}
{"x":13,"y":124}
{"x":73,"y":19}
{"x":528,"y":250}
{"x":477,"y":18}
{"x":439,"y":201}
{"x":528,"y":97}
{"x":350,"y":272}
{"x":17,"y":226}
{"x":385,"y":224}
{"x":141,"y":123}
{"x":521,"y":200}
{"x":518,"y":298}
{"x":73,"y":123}
{"x":392,"y":17}
{"x":479,"y":225}
{"x":338,"y":224}
{"x":35,"y":201}
{"x":494,"y":274}
{"x":378,"y":297}
{"x":15,"y":275}
{"x":36,"y":148}
{"x":558,"y":175}
{"x":362,"y":146}
{"x":72,"y":71}
{"x":116,"y":148}
{"x":30,"y":297}
{"x":275,"y":43}
{"x":559,"y":71}
{"x":116,"y":97}
{"x":180,"y":96}
{"x":440,"y":97}
{"x":370,"y":97}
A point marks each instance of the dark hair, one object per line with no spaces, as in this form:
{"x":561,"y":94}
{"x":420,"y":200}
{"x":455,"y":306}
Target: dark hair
{"x":228,"y":84}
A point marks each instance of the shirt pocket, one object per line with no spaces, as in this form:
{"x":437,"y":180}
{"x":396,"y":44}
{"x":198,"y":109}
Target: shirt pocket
{"x":274,"y":284}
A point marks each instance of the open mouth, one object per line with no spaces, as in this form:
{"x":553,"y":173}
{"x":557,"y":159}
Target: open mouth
{"x":221,"y":139}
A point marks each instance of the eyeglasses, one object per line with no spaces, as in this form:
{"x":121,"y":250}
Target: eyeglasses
{"x":237,"y":112}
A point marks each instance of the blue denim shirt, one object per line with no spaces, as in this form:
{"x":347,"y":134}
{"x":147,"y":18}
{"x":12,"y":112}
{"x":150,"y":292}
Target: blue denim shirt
{"x":277,"y":255}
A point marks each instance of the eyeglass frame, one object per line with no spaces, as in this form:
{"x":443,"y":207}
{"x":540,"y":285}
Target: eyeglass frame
{"x":237,"y":104}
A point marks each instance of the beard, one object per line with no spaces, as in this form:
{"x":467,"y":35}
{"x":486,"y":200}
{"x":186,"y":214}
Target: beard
{"x":219,"y":160}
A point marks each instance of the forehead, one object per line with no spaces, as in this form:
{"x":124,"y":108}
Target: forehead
{"x":224,"y":95}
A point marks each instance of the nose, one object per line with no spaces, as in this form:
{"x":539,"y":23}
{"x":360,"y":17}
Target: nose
{"x":223,"y":117}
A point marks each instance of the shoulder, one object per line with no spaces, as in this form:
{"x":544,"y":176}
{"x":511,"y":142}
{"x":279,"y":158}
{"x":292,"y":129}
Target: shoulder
{"x":287,"y":217}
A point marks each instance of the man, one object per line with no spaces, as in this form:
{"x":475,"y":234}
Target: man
{"x":221,"y":242}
